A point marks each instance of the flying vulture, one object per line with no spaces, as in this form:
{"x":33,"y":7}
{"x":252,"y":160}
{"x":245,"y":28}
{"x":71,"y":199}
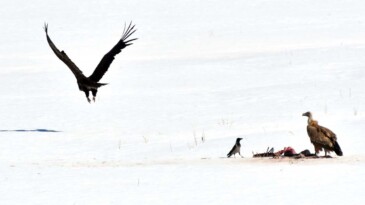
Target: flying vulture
{"x":235,"y":149}
{"x":91,"y":83}
{"x":322,"y":137}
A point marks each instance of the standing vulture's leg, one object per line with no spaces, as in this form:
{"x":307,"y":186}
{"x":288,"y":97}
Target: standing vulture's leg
{"x":87,"y":95}
{"x":94,"y":91}
{"x":325,"y":153}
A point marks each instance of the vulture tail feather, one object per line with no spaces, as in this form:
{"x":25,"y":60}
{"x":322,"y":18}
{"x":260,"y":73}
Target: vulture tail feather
{"x":337,"y":149}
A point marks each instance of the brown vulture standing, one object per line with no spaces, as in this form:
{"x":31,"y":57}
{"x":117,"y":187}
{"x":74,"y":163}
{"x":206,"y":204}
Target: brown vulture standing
{"x":91,"y":83}
{"x":322,"y":137}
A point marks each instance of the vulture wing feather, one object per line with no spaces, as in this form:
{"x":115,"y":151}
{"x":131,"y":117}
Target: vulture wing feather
{"x":63,"y":57}
{"x":332,"y":137}
{"x":319,"y":136}
{"x":327,"y":132}
{"x":108,"y":58}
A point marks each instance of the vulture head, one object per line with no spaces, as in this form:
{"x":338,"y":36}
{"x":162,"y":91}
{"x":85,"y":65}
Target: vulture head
{"x":308,"y":114}
{"x":310,"y":119}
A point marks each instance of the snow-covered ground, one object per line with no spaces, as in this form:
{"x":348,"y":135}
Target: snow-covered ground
{"x":201,"y":74}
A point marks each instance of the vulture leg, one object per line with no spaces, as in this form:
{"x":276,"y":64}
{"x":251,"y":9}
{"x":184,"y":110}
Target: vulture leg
{"x":87,"y":95}
{"x":94,"y":91}
{"x":325,"y":153}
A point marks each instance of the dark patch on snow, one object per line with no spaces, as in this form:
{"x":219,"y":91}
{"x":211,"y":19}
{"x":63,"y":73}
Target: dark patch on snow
{"x":35,"y":130}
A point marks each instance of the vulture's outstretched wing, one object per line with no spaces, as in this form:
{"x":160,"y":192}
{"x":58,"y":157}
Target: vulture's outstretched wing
{"x":63,"y":57}
{"x":108,"y":58}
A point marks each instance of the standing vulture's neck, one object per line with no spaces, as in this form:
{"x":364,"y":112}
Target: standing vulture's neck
{"x":311,"y":121}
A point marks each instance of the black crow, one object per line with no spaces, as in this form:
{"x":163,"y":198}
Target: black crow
{"x":235,"y":149}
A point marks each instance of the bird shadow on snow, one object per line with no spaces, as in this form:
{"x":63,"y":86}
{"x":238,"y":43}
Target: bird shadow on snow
{"x":35,"y":130}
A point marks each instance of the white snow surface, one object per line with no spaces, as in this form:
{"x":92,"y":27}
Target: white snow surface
{"x":201,"y":74}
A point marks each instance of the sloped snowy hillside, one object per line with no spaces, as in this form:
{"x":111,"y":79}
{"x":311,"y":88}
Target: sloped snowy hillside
{"x":201,"y":74}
